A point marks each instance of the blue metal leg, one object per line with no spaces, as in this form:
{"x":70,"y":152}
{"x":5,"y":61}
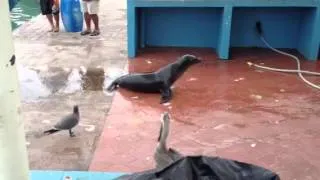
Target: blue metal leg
{"x":131,"y":29}
{"x":310,"y":35}
{"x":225,"y":33}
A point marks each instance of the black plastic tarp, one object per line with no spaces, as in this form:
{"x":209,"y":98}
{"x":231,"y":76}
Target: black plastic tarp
{"x":205,"y":168}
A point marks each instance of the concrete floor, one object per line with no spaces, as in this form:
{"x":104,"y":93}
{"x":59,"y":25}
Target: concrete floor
{"x":59,"y":70}
{"x":219,"y":108}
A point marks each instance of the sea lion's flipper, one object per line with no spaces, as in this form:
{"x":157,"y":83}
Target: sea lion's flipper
{"x":166,"y":95}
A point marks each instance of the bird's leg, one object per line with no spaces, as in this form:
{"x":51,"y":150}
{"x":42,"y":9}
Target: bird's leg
{"x":71,"y":133}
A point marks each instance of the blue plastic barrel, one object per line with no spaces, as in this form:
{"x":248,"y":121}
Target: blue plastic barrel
{"x":71,"y":15}
{"x":12,"y":3}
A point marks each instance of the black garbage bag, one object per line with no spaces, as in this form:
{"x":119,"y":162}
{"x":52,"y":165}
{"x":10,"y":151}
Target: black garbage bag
{"x":206,"y":168}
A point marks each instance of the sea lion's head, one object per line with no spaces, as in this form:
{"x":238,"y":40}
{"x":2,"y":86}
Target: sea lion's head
{"x":190,"y":59}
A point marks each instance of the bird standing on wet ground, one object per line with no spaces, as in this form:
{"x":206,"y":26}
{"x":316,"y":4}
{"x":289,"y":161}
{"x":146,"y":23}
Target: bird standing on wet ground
{"x":66,"y":123}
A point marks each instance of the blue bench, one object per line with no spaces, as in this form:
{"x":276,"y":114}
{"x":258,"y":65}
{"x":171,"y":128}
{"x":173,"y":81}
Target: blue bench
{"x":224,"y":24}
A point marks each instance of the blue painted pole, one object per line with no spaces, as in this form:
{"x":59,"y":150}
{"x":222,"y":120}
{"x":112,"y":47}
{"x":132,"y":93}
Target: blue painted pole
{"x":131,"y":29}
{"x":310,"y":35}
{"x":225,"y":33}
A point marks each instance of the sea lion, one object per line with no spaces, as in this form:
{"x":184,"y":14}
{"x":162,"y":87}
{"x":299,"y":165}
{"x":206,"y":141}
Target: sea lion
{"x":159,"y":81}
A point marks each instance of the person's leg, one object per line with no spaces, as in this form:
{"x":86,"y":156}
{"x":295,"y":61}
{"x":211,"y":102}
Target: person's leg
{"x":94,"y":10}
{"x":87,"y":18}
{"x":50,"y":19}
{"x":95,"y":20}
{"x":47,"y":11}
{"x":56,"y":18}
{"x":56,"y":14}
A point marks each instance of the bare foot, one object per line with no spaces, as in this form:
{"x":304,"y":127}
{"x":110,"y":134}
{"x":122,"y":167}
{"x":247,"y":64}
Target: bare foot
{"x":56,"y":29}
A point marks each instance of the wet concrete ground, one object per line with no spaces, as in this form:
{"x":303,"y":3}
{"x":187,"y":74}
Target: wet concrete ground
{"x":59,"y":70}
{"x":219,"y":108}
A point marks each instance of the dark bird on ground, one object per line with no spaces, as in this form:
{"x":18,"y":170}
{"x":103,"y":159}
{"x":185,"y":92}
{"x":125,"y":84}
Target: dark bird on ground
{"x":165,"y":156}
{"x":66,"y":123}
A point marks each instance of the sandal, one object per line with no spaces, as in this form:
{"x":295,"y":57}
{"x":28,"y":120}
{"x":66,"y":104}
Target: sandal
{"x":95,"y":33}
{"x":86,"y":32}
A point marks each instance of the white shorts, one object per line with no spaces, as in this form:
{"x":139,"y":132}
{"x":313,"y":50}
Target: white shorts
{"x":91,"y":7}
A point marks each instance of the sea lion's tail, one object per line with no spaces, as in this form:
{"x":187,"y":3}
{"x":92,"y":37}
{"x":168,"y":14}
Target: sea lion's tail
{"x":112,"y":86}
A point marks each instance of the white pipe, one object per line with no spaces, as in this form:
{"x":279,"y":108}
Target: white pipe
{"x":295,"y":58}
{"x":283,"y":70}
{"x":13,"y":152}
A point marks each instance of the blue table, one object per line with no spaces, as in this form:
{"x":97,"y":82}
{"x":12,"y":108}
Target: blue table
{"x":223,"y":24}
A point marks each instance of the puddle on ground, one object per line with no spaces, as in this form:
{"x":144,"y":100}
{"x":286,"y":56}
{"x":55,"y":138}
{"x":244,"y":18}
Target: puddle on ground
{"x":31,"y":86}
{"x":93,"y":79}
{"x":73,"y":83}
{"x":43,"y":82}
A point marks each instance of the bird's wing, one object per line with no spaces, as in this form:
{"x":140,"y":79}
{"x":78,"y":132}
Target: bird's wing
{"x":162,"y":161}
{"x":67,"y":122}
